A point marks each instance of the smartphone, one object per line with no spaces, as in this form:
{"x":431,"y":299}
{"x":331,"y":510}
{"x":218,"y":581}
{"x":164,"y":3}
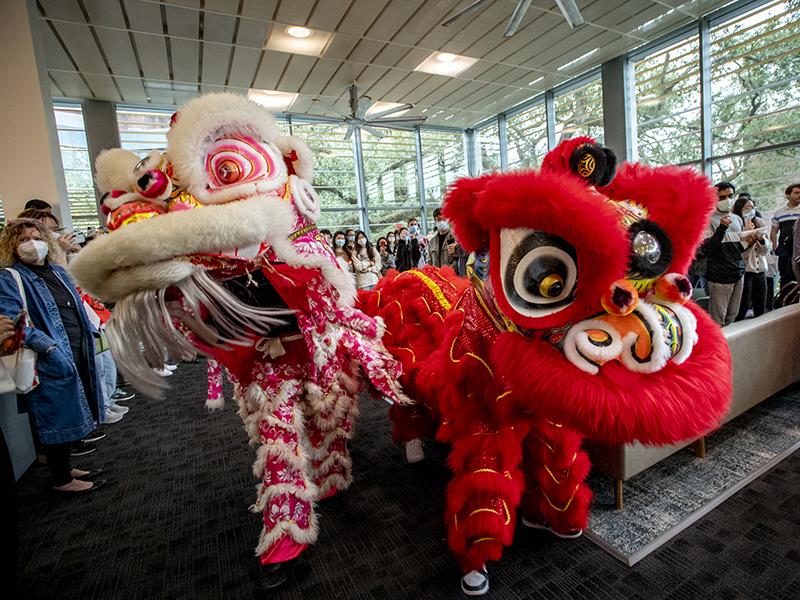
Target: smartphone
{"x":80,"y":238}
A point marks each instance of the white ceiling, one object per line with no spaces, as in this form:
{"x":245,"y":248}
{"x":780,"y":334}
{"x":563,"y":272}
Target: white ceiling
{"x":163,"y":53}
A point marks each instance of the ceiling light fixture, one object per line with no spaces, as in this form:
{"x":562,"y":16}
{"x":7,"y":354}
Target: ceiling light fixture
{"x":292,"y":39}
{"x":298,"y":32}
{"x":577,"y":60}
{"x":537,"y":80}
{"x":271,"y":99}
{"x":445,"y":63}
{"x":382,"y":107}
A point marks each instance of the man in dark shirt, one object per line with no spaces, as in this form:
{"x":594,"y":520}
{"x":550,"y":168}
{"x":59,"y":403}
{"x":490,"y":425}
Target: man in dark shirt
{"x":442,"y":246}
{"x":782,"y":234}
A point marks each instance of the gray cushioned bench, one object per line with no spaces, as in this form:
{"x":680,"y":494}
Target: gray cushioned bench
{"x":766,"y":359}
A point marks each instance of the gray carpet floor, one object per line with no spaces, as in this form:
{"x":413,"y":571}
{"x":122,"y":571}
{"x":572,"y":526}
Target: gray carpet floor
{"x":172,"y":522}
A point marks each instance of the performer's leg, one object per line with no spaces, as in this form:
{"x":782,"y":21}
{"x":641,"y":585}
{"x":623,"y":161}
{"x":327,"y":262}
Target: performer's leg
{"x":555,"y":468}
{"x":482,"y":499}
{"x":286,"y":493}
{"x":329,"y":421}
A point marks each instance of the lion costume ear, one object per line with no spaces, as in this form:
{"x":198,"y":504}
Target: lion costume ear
{"x":460,"y":204}
{"x":297,"y":156}
{"x":585,"y":159}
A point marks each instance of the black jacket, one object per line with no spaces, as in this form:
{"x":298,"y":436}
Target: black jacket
{"x":407,"y":255}
{"x":724,"y":263}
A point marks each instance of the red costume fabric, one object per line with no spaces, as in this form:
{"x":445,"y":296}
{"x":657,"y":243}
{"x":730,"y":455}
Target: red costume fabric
{"x":584,"y":328}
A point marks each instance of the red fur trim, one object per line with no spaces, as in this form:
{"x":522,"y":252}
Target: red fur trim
{"x":679,"y":199}
{"x":562,"y":206}
{"x":458,"y":208}
{"x":616,"y":405}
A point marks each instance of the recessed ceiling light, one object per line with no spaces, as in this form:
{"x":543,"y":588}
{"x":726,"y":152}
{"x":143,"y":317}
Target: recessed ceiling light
{"x":271,"y":99}
{"x":298,"y":32}
{"x":297,"y":40}
{"x":452,"y":65}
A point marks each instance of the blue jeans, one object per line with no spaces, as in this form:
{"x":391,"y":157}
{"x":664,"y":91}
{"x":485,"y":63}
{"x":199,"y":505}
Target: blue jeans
{"x":107,"y":375}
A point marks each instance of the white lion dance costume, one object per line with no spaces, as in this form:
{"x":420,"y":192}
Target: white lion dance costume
{"x":214,"y":249}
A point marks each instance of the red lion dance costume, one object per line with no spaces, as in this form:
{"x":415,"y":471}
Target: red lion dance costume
{"x":584,"y":328}
{"x":214,"y":248}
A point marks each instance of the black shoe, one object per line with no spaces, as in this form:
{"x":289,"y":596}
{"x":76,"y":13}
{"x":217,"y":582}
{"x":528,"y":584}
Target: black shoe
{"x":81,"y":449}
{"x":273,"y":576}
{"x":95,"y":436}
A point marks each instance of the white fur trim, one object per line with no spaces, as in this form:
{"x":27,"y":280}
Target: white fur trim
{"x":659,"y":351}
{"x":576,"y":344}
{"x":213,"y":404}
{"x":207,"y":118}
{"x":305,"y":198}
{"x":301,"y":536}
{"x":208,"y":229}
{"x":114,"y":170}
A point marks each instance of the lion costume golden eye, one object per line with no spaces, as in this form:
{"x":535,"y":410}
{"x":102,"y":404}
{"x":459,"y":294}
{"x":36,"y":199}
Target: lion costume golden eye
{"x":539,"y":271}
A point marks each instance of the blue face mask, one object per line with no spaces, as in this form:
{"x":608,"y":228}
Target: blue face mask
{"x":413,"y":229}
{"x":351,"y":238}
{"x":339,"y":242}
{"x":443,"y":226}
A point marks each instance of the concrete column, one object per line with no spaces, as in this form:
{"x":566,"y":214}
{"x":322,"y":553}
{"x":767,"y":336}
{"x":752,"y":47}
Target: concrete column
{"x":30,"y":161}
{"x":616,"y":108}
{"x":100,"y":122}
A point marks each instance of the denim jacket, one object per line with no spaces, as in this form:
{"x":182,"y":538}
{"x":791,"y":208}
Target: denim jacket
{"x":59,"y":404}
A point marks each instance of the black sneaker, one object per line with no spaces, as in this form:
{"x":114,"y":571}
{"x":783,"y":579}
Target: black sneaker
{"x":82,"y":449}
{"x":121,"y":395}
{"x":97,"y":435}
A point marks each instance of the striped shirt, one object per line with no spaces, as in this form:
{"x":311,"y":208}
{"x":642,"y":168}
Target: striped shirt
{"x":784,"y":219}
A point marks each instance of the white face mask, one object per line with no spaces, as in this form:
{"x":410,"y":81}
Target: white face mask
{"x":724,"y":206}
{"x":362,"y":242}
{"x":749,"y":215}
{"x":33,"y":252}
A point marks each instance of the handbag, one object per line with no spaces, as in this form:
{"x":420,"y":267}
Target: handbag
{"x":20,"y":367}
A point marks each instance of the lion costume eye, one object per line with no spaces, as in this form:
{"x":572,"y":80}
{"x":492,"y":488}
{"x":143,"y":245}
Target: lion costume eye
{"x":236,"y":160}
{"x":539,"y":271}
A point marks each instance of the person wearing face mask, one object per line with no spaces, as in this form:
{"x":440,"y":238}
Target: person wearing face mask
{"x":754,"y":290}
{"x":67,"y":403}
{"x":415,"y":234}
{"x":343,"y":255}
{"x":723,"y":249}
{"x":366,"y":263}
{"x":408,"y":254}
{"x":350,"y":236}
{"x":65,"y":243}
{"x":387,"y":258}
{"x":442,"y":246}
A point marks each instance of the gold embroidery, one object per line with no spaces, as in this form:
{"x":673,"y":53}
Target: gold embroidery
{"x":435,"y":289}
{"x":586,"y":165}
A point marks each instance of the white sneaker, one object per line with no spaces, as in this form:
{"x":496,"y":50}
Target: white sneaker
{"x":119,"y":409}
{"x":567,"y":535}
{"x":113,"y":417}
{"x":414,"y":451}
{"x":170,"y":367}
{"x":163,"y":372}
{"x":475,"y":583}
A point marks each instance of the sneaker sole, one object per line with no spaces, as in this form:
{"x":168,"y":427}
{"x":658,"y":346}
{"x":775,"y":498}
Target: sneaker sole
{"x":84,"y":453}
{"x":564,"y":536}
{"x":475,"y":590}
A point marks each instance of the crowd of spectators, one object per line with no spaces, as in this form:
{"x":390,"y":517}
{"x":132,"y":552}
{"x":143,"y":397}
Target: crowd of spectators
{"x":743,"y":257}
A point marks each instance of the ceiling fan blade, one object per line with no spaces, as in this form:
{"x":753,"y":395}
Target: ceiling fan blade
{"x":471,"y":9}
{"x":516,"y":17}
{"x":376,"y":133}
{"x":363,"y":105}
{"x":350,"y":131}
{"x":571,"y":13}
{"x":397,"y":120}
{"x":330,"y":108}
{"x":390,"y":111}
